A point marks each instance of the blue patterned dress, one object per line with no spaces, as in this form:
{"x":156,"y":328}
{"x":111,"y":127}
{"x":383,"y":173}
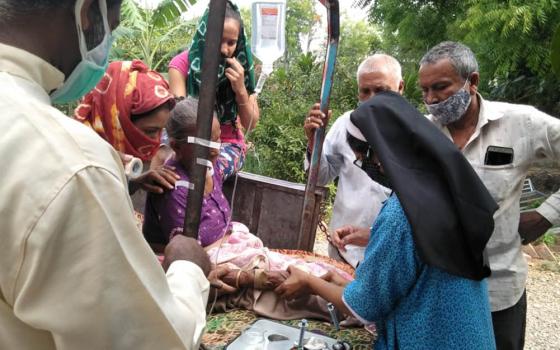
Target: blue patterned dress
{"x":415,"y":306}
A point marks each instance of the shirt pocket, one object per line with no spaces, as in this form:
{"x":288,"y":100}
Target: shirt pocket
{"x":500,"y":180}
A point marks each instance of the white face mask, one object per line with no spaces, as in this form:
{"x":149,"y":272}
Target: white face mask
{"x":93,"y":65}
{"x":453,"y":108}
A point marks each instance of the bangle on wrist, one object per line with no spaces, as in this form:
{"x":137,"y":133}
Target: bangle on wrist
{"x":237,"y":278}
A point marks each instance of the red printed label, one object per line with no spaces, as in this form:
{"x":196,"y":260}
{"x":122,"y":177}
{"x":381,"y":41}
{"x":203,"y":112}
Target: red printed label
{"x":269,"y":11}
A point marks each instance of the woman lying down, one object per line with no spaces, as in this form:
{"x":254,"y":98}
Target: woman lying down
{"x":245,"y":270}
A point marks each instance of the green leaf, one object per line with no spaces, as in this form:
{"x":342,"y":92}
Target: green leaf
{"x":170,"y":10}
{"x":555,"y":54}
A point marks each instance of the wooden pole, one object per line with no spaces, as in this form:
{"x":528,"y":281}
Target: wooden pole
{"x":307,"y":229}
{"x":207,"y":97}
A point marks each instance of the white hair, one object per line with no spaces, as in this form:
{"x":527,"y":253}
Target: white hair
{"x":380,"y":61}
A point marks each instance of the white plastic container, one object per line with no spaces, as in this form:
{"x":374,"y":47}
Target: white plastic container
{"x":268,"y":41}
{"x":133,"y":168}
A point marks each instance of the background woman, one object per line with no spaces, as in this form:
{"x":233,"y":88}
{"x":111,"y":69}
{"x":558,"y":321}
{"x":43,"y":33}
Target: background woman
{"x":128,"y":108}
{"x":236,"y":102}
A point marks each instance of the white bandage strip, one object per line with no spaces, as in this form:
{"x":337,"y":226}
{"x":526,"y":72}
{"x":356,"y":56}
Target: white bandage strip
{"x":204,"y":162}
{"x":207,"y":164}
{"x":183,"y":183}
{"x":205,"y":143}
{"x":134,"y":168}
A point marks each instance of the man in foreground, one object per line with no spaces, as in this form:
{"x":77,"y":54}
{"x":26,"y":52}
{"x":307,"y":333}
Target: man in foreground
{"x":76,"y":272}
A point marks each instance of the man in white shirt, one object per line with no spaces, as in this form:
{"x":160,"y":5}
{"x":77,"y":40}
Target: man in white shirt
{"x":501,"y":141}
{"x":358,"y":198}
{"x":75,"y":271}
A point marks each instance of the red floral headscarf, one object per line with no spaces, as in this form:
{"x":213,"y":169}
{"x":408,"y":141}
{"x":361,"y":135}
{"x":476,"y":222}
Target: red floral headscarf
{"x":127,"y":88}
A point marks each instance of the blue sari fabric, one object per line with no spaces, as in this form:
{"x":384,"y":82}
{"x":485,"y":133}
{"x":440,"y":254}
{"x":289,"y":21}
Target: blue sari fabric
{"x":415,"y":306}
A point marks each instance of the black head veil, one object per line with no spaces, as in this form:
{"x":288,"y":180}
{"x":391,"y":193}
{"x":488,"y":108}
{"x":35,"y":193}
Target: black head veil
{"x":449,"y":209}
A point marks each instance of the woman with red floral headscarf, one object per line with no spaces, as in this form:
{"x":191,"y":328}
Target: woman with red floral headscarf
{"x":128,"y":108}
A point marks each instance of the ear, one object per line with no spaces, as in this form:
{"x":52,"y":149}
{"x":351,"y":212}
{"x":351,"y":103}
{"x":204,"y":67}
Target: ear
{"x":86,"y":8}
{"x":401,"y":87}
{"x":173,"y":145}
{"x":475,"y":80}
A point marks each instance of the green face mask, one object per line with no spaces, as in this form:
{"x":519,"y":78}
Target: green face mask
{"x":93,"y":65}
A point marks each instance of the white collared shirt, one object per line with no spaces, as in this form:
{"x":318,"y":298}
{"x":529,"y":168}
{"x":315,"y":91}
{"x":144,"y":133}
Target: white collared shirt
{"x":358,"y":198}
{"x":76,"y":271}
{"x":533,"y":135}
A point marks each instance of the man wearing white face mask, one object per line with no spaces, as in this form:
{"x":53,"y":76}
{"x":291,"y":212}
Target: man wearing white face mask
{"x":501,"y":141}
{"x":75,"y":271}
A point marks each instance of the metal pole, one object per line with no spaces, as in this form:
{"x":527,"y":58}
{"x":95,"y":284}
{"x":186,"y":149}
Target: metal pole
{"x":207,"y":97}
{"x":306,"y":234}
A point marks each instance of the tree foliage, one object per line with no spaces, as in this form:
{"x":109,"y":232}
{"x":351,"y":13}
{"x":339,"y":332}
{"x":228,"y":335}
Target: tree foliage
{"x":153,"y":35}
{"x":512,"y":41}
{"x":555,"y":54}
{"x":279,"y":140}
{"x":301,"y":21}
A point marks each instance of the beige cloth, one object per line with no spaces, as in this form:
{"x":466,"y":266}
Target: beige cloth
{"x":269,"y":304}
{"x":533,"y":135}
{"x":76,"y":272}
{"x":266,"y":303}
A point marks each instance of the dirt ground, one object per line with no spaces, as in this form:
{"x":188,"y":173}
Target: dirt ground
{"x":543,"y":306}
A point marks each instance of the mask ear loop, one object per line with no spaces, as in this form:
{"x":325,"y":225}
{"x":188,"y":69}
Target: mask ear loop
{"x":81,"y":36}
{"x":79,"y":28}
{"x":105,"y":16}
{"x":468,"y":80}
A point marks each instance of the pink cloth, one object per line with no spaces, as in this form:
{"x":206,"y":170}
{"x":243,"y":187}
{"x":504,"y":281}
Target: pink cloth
{"x":229,"y":134}
{"x":181,"y":63}
{"x":245,"y":250}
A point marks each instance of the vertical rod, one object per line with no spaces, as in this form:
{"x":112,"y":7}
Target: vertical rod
{"x":306,"y":234}
{"x":207,"y":97}
{"x":302,"y":327}
{"x":334,"y":318}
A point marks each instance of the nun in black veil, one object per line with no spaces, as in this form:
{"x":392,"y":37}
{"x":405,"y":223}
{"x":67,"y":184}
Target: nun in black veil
{"x":422,"y":281}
